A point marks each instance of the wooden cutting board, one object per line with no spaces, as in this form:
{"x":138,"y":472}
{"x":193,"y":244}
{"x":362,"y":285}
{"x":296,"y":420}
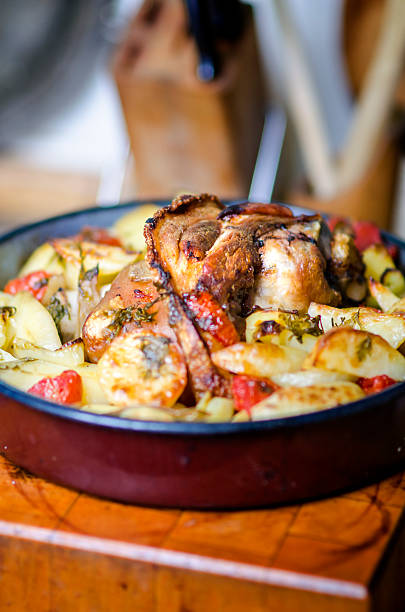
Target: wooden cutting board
{"x":61,"y":550}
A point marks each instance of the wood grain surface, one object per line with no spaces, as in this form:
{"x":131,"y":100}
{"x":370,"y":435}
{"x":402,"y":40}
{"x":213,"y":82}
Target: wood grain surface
{"x":62,"y":550}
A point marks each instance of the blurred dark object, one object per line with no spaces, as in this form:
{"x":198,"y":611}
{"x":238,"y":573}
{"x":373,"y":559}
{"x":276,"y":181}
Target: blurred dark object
{"x":187,"y":134}
{"x":48,"y":49}
{"x":209,"y":22}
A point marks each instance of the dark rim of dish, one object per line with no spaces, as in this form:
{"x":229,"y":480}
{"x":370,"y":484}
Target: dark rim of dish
{"x":183,"y":427}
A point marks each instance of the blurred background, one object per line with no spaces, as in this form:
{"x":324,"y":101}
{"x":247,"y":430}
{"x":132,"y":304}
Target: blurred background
{"x":110,"y":100}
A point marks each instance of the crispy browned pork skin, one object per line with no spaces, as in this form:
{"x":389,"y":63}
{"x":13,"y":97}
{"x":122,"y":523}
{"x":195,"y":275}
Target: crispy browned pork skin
{"x":244,"y":255}
{"x":207,"y":266}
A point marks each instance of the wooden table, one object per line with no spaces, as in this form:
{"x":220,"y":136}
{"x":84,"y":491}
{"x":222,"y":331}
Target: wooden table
{"x":62,"y":550}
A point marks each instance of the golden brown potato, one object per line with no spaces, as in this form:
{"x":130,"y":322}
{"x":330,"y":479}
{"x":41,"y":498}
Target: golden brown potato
{"x":384,"y":297}
{"x":381,"y":267}
{"x":307,"y":378}
{"x":261,"y":360}
{"x":43,"y":258}
{"x":268,"y":325}
{"x":30,"y":321}
{"x":70,"y":354}
{"x":333,"y":317}
{"x":142,"y":367}
{"x":356,"y":352}
{"x":24,"y":374}
{"x":292,"y":401}
{"x":389,"y":326}
{"x":109,"y":259}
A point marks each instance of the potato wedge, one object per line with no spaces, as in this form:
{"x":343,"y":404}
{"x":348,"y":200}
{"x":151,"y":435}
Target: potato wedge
{"x":398,"y":307}
{"x":71,"y":354}
{"x":142,"y":367}
{"x":301,"y":400}
{"x":43,"y":258}
{"x":381,"y":267}
{"x":218,"y":410}
{"x":129,"y":227}
{"x":394,"y":280}
{"x":306,"y":342}
{"x":307,"y":378}
{"x":389,"y":326}
{"x":30,"y":372}
{"x":31,"y":321}
{"x":101,"y":408}
{"x":146,"y":413}
{"x":356,"y":352}
{"x":110,"y":259}
{"x":384,"y":297}
{"x":241,"y":417}
{"x":258,"y":359}
{"x":7,"y":324}
{"x":5,"y":356}
{"x":16,"y":378}
{"x":333,"y":317}
{"x":268,"y":323}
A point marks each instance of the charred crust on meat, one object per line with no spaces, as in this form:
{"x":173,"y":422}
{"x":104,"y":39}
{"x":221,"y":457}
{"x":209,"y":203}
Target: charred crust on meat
{"x":199,"y":238}
{"x":180,"y":204}
{"x":251,"y":208}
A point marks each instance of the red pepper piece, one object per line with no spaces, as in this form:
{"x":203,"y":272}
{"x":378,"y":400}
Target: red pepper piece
{"x":366,"y":234}
{"x":35,"y":282}
{"x":211,"y":317}
{"x":248,"y":391}
{"x":333,"y":221}
{"x":99,"y":235}
{"x":67,"y":388}
{"x":376,"y":383}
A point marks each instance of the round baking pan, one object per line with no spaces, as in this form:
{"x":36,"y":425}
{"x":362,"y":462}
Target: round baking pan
{"x":194,"y":465}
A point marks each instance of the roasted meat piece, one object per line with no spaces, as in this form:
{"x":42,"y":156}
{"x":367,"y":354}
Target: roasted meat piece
{"x":132,"y":302}
{"x":244,"y":255}
{"x":291,"y":255}
{"x":293,"y":266}
{"x":206,"y":267}
{"x":178,"y":238}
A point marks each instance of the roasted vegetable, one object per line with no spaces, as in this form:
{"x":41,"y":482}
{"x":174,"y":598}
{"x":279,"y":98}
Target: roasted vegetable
{"x":25,"y":373}
{"x":391,"y":327}
{"x":129,"y":228}
{"x":71,"y":354}
{"x":30,"y":320}
{"x":66,"y":388}
{"x":215,"y":325}
{"x":86,"y":256}
{"x":34,"y":282}
{"x":142,"y":367}
{"x":376,"y":383}
{"x":384,"y":297}
{"x":259,"y":360}
{"x":356,"y":352}
{"x":43,"y":258}
{"x":293,"y":401}
{"x":248,"y":391}
{"x":270,"y":323}
{"x":381,"y":267}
